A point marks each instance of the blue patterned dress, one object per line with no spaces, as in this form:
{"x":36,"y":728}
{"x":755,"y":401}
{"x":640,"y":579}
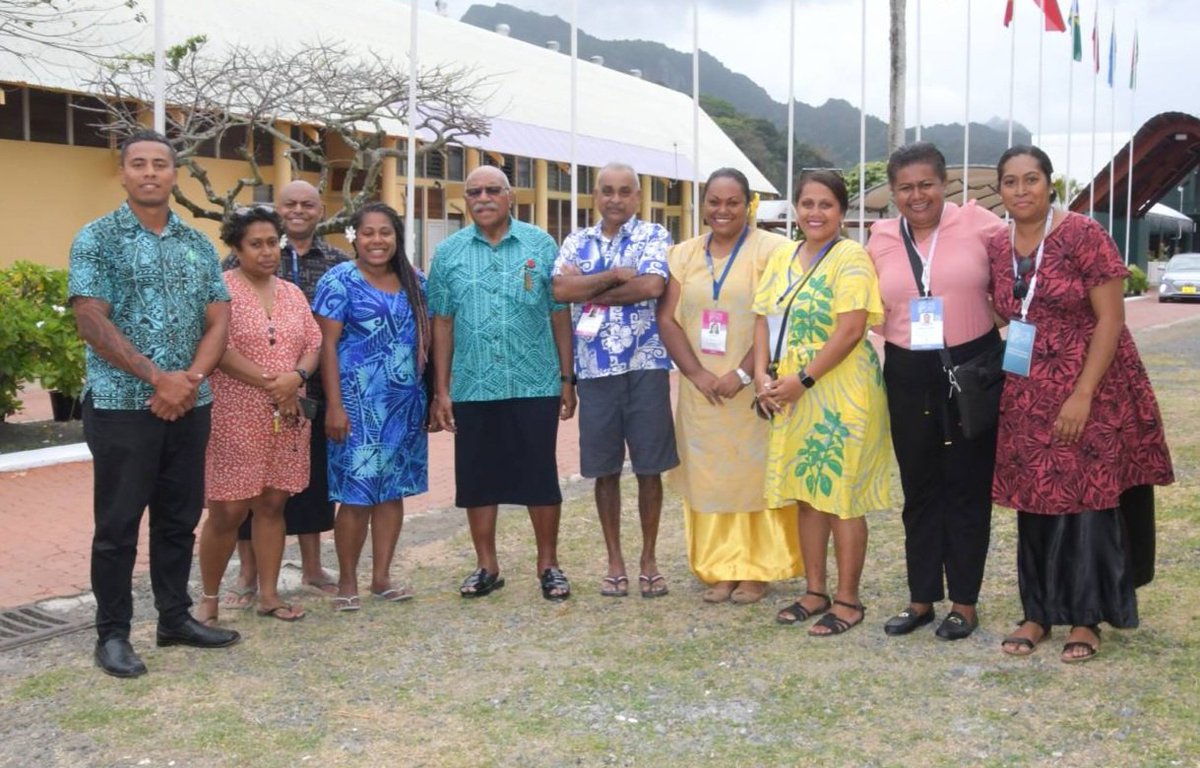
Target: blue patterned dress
{"x":386,"y":454}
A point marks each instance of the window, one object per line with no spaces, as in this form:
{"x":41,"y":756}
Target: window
{"x":301,"y":161}
{"x":47,"y":116}
{"x":658,"y":191}
{"x":12,"y":115}
{"x":87,"y":114}
{"x":455,"y":164}
{"x":524,"y":173}
{"x":583,"y":179}
{"x":264,"y":147}
{"x":435,"y":165}
{"x":232,"y":142}
{"x":674,"y":192}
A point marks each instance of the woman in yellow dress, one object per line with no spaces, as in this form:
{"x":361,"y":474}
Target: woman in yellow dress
{"x":829,"y":444}
{"x":735,"y":543}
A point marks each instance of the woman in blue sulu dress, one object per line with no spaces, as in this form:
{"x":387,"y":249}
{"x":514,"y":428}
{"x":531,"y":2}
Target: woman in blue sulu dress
{"x":375,"y":326}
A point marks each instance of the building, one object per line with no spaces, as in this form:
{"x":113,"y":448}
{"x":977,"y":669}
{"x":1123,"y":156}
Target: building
{"x":60,"y":172}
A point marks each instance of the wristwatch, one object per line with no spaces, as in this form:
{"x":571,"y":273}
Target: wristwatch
{"x":572,"y":379}
{"x":808,"y":381}
{"x":303,"y":374}
{"x":744,"y":377}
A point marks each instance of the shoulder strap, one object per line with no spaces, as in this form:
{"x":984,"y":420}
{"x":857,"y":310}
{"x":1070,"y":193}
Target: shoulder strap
{"x":787,"y":309}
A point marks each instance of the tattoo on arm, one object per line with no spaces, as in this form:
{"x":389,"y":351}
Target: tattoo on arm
{"x":98,"y":331}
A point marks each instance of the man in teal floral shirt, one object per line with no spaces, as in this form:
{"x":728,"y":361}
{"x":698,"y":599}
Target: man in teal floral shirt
{"x":151,"y":305}
{"x":502,"y":367}
{"x":613,"y":274}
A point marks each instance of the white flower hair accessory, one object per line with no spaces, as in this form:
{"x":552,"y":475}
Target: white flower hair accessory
{"x":282,"y":242}
{"x":350,"y":232}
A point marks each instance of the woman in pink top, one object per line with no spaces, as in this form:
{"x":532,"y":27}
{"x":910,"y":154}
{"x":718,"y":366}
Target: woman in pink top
{"x":936,"y":299}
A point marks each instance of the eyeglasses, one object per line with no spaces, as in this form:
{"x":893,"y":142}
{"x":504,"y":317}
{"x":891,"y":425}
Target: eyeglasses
{"x":492,"y":191}
{"x":1021,"y":285}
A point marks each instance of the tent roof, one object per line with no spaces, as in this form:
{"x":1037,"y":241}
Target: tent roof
{"x":620,"y":117}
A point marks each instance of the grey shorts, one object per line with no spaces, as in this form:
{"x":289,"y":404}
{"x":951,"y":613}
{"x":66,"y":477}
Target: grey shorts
{"x":633,"y":408}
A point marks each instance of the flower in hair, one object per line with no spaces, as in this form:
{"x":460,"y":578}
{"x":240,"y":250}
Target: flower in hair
{"x":350,"y":232}
{"x":282,"y":242}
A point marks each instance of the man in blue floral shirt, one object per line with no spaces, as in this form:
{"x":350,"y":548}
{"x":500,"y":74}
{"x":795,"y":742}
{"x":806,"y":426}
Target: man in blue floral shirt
{"x":151,"y":305}
{"x":612,"y":274}
{"x":502,"y":376}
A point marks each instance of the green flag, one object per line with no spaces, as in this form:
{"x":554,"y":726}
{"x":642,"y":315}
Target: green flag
{"x":1076,"y":32}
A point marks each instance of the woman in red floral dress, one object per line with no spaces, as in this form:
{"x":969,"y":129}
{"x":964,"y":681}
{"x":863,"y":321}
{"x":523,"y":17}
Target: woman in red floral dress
{"x":1080,"y":439}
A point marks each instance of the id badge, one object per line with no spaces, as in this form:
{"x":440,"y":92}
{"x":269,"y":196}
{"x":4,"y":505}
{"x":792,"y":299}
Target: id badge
{"x":1018,"y":350}
{"x":774,"y":328}
{"x":590,"y":321}
{"x":714,"y":331}
{"x":927,"y":322}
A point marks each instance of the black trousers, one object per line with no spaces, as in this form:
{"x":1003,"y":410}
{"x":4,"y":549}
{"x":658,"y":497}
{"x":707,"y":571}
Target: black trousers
{"x":141,"y":460}
{"x":947,"y":479}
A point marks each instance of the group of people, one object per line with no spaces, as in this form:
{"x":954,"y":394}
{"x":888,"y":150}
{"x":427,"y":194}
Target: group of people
{"x":319,"y":376}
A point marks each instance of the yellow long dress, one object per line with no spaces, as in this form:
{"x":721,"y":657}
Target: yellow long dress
{"x":731,"y":534}
{"x":833,"y":449}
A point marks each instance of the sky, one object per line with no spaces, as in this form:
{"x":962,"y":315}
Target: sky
{"x":751,"y":37}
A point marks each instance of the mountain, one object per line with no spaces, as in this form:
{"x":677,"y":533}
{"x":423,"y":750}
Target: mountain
{"x":830,"y":130}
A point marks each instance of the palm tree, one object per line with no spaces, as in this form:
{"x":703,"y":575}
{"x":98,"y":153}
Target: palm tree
{"x":899,"y":68}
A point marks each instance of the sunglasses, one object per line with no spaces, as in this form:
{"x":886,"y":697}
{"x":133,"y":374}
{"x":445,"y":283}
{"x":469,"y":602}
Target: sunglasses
{"x":270,"y":335}
{"x":1021,"y":285}
{"x":242,"y":210}
{"x":494,"y":191}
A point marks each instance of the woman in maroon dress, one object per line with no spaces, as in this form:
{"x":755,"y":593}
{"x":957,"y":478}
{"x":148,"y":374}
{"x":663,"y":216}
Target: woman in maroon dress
{"x":1080,"y":438}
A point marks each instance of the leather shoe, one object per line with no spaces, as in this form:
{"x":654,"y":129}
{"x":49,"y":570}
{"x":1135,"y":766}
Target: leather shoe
{"x":955,"y":626}
{"x":197,"y":635}
{"x":906,"y":621}
{"x":116,"y":657}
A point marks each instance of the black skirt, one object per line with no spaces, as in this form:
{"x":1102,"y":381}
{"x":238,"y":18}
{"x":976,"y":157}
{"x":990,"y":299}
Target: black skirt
{"x":1075,"y":569}
{"x":505,"y":452}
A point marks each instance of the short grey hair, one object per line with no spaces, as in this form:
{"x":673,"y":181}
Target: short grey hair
{"x":623,"y":168}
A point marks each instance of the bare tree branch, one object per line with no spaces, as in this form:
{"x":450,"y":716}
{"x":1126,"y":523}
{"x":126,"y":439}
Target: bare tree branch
{"x":29,"y":29}
{"x":351,"y":98}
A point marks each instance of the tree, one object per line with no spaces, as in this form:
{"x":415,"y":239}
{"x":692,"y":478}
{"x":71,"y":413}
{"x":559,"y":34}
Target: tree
{"x":899,"y":71}
{"x":337,"y":97}
{"x":29,"y":27}
{"x":762,"y":142}
{"x":876,"y":174}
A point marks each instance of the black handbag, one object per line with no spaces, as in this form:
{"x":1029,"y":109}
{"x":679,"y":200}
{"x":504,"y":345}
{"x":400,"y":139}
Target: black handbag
{"x":976,"y":384}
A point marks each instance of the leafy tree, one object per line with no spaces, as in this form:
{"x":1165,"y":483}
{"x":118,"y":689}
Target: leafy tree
{"x":760,"y":140}
{"x":876,"y":174}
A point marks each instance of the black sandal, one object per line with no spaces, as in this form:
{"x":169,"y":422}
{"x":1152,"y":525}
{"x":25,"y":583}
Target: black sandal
{"x":1092,"y":650}
{"x":836,"y":624}
{"x":796,"y":612}
{"x":554,"y":580}
{"x":481,"y":583}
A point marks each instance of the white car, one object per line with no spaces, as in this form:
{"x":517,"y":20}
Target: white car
{"x":1181,"y":279}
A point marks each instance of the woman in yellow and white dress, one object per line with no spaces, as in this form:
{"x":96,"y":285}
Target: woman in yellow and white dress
{"x":829,"y":448}
{"x":735,"y":542}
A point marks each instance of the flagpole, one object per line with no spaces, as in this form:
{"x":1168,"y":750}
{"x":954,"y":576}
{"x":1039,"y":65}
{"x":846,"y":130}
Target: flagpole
{"x":1095,"y":90}
{"x":791,"y":124}
{"x":160,"y":66}
{"x":1132,"y":131}
{"x":1041,"y":30}
{"x":918,"y":70}
{"x":574,"y":114}
{"x":967,"y":112}
{"x":696,"y":118}
{"x":1070,"y":113}
{"x":410,"y":188}
{"x":862,"y":134}
{"x":1112,"y":125}
{"x":1012,"y":71}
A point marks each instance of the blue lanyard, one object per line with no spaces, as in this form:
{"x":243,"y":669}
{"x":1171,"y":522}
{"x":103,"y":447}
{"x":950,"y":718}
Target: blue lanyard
{"x":603,"y":263}
{"x":732,"y":256}
{"x":295,"y":265}
{"x":805,"y":275}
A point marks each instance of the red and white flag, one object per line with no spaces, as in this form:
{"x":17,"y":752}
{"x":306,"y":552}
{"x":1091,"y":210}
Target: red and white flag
{"x":1050,"y":10}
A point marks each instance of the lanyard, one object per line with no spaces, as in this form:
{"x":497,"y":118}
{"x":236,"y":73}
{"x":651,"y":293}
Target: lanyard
{"x":732,"y":255}
{"x":1037,"y":263}
{"x":926,"y":263}
{"x":295,"y":266}
{"x":594,"y":243}
{"x":800,"y":281}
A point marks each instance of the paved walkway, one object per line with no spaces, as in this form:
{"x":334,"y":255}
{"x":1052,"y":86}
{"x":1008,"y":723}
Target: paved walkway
{"x":45,"y":513}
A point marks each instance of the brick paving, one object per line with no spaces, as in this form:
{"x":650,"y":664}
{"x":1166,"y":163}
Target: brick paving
{"x":45,"y":513}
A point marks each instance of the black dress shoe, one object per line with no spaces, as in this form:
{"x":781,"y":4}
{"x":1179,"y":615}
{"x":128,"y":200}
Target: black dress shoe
{"x":906,"y":621}
{"x":116,"y":657}
{"x":956,"y":627}
{"x":197,"y":635}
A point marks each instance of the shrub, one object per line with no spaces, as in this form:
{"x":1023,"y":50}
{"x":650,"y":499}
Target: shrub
{"x":1136,"y":284}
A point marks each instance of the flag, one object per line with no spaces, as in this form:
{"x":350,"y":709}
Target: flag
{"x":1076,"y":33}
{"x":1096,"y":42}
{"x":1054,"y":18}
{"x":1112,"y":51}
{"x":1133,"y":62}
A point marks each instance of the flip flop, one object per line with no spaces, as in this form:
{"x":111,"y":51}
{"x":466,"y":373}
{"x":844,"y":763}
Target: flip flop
{"x":393,"y":595}
{"x":239,"y":598}
{"x":324,"y":587}
{"x":273,"y":613}
{"x":653,"y":586}
{"x":614,"y":586}
{"x":1091,"y":648}
{"x":346,"y":604}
